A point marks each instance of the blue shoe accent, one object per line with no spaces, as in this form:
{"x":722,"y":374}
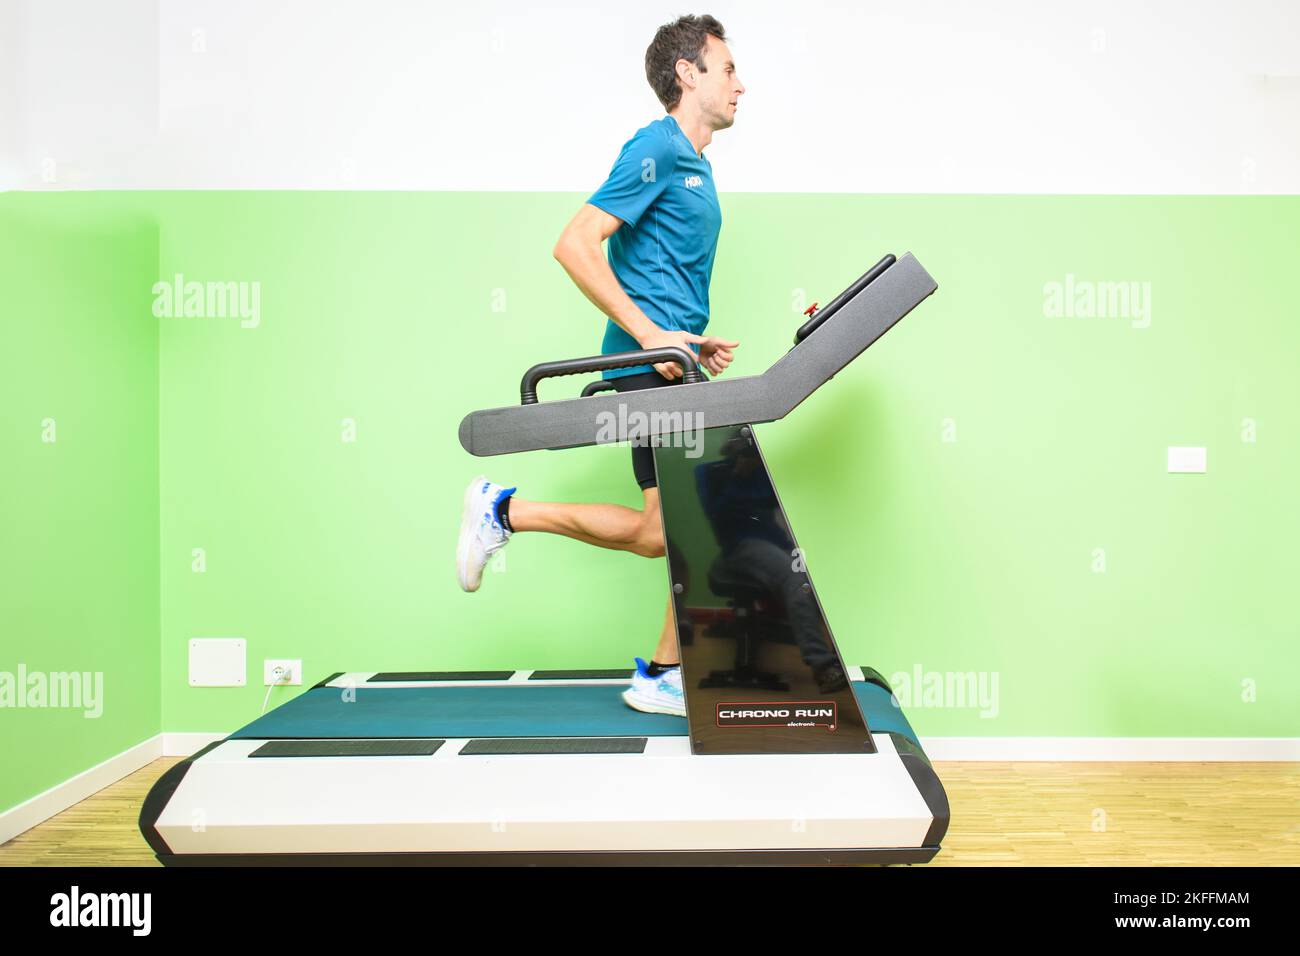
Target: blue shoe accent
{"x":643,"y":668}
{"x":502,"y":495}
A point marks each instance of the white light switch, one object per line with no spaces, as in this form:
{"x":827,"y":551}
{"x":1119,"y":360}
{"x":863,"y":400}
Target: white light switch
{"x":1186,"y":460}
{"x":218,"y":662}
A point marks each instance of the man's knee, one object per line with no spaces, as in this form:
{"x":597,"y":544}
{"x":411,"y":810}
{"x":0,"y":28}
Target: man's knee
{"x":650,"y":533}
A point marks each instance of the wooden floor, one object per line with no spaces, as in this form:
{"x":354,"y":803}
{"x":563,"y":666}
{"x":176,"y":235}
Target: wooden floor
{"x":1042,"y":814}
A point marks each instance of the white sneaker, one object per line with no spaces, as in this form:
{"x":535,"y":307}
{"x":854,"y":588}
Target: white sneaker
{"x":656,"y":695}
{"x":481,"y":534}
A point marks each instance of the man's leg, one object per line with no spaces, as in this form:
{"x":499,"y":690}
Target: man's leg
{"x":657,"y":686}
{"x":606,"y":526}
{"x":667,"y":652}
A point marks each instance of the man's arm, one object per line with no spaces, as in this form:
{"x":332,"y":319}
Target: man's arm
{"x":579,"y":251}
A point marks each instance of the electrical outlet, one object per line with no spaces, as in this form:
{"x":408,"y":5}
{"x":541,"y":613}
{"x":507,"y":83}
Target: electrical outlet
{"x":292,"y":672}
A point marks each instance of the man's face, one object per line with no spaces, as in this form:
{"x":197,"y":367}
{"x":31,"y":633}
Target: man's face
{"x":719,"y":88}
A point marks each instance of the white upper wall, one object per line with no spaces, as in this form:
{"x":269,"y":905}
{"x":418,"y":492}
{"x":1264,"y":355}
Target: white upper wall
{"x":1005,"y":96}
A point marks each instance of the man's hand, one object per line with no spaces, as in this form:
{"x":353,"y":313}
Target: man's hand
{"x":715,"y":352}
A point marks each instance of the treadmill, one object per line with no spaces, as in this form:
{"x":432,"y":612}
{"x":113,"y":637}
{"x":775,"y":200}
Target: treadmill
{"x":787,"y":754}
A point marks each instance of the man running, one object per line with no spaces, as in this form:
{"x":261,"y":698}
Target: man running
{"x":659,"y":210}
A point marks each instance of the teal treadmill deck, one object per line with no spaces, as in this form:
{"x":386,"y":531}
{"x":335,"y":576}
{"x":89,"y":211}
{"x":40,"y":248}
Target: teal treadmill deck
{"x":499,"y":710}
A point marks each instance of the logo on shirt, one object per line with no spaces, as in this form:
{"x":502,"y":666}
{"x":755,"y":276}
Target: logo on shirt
{"x":693,"y":181}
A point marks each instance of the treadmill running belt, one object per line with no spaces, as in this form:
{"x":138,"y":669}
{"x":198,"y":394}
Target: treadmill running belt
{"x":540,"y":709}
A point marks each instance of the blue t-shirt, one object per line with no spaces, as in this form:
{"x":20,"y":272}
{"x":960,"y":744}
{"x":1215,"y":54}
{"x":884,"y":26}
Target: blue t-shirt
{"x":662,"y":255}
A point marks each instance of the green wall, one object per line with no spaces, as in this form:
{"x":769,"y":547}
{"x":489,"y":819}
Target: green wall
{"x":78,"y":514}
{"x":402,"y":312}
{"x":968,"y":556}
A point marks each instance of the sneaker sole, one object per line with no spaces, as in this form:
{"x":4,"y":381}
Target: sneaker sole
{"x":636,"y":702}
{"x":466,"y":535}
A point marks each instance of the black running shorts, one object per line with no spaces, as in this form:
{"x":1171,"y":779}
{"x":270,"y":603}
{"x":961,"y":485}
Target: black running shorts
{"x":643,"y":457}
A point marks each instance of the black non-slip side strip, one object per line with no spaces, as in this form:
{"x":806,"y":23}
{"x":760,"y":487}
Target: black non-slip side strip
{"x":158,"y":797}
{"x":495,"y":746}
{"x":326,"y":681}
{"x":872,"y":676}
{"x":439,"y":675}
{"x":877,"y":855}
{"x":927,"y":785}
{"x":396,"y":747}
{"x":583,"y":675}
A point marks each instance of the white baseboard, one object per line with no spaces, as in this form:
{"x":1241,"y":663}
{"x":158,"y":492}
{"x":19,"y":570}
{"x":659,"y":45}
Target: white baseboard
{"x":58,"y":798}
{"x":183,"y":745}
{"x":1002,"y":749}
{"x":1103,"y":749}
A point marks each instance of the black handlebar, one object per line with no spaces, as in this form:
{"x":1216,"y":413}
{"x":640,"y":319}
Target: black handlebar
{"x":600,"y":363}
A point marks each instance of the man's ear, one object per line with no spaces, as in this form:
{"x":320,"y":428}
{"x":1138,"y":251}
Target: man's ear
{"x":686,"y":72}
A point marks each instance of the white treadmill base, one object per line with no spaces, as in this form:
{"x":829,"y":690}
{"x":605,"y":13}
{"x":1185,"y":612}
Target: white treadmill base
{"x":664,"y":800}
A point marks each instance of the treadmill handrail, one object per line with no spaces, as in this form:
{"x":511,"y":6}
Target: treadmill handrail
{"x":607,"y":418}
{"x":601,"y":363}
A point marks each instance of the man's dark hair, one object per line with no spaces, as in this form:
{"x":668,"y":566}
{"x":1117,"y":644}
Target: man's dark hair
{"x":683,"y":39}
